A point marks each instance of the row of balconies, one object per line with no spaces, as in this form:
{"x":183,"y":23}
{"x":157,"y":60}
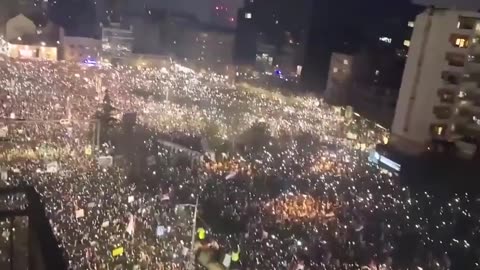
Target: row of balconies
{"x":458,"y":110}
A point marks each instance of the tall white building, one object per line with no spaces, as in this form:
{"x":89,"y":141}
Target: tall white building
{"x":440,"y":92}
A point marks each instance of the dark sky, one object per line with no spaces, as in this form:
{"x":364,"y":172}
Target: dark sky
{"x":76,"y":16}
{"x":460,"y":4}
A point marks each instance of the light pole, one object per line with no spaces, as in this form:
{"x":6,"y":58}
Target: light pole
{"x":191,"y":261}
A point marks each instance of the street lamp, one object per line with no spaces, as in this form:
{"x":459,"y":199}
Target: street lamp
{"x":194,"y":228}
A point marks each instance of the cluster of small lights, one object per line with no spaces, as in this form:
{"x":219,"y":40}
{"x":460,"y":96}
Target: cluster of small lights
{"x":330,"y":197}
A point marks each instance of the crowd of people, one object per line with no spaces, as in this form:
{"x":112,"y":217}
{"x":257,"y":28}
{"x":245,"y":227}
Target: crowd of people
{"x":297,"y":208}
{"x":303,"y":197}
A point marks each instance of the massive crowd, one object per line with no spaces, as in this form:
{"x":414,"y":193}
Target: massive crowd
{"x":303,"y":197}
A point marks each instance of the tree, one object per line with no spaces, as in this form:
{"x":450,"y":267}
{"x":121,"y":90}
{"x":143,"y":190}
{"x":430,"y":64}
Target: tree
{"x":255,"y":141}
{"x":212,"y":135}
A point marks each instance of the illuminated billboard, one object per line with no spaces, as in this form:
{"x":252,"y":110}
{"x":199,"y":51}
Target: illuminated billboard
{"x":383,"y":161}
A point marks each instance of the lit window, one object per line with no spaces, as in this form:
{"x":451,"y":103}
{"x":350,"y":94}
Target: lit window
{"x":411,"y":24}
{"x":461,"y":42}
{"x":335,"y":70}
{"x":439,"y":130}
{"x":248,"y":15}
{"x":477,"y":27}
{"x":377,"y":72}
{"x":406,"y":43}
{"x":345,"y":61}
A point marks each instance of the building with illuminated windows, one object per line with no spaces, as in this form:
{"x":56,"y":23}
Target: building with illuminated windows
{"x":117,"y":42}
{"x":80,"y":49}
{"x":199,"y":45}
{"x":439,"y":97}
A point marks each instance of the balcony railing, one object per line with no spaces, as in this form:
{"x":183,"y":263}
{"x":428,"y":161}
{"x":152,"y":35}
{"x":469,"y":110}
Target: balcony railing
{"x":447,"y":95}
{"x":469,"y":130}
{"x":442,"y":112}
{"x":451,"y":78}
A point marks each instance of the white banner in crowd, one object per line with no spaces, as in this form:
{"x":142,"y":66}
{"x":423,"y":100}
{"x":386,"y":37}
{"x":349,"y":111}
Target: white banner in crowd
{"x":91,"y":205}
{"x":4,"y":175}
{"x":161,"y":230}
{"x":131,"y":225}
{"x":52,"y":167}
{"x":165,"y":197}
{"x":351,"y":136}
{"x":79,"y":213}
{"x":105,"y":161}
{"x":131,"y":199}
{"x":3,"y":132}
{"x":105,"y":224}
{"x":227,"y":260}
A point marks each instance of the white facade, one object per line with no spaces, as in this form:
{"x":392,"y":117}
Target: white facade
{"x":19,"y":26}
{"x":80,"y":49}
{"x":436,"y":72}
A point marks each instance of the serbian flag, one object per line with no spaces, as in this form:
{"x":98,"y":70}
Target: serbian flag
{"x":131,"y":225}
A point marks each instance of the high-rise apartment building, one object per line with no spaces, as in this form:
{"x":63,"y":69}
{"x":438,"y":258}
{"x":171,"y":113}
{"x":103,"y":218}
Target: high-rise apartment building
{"x":245,"y":37}
{"x":440,"y":93}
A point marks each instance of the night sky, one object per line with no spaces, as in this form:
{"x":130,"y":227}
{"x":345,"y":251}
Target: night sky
{"x":460,"y":4}
{"x":78,"y":17}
